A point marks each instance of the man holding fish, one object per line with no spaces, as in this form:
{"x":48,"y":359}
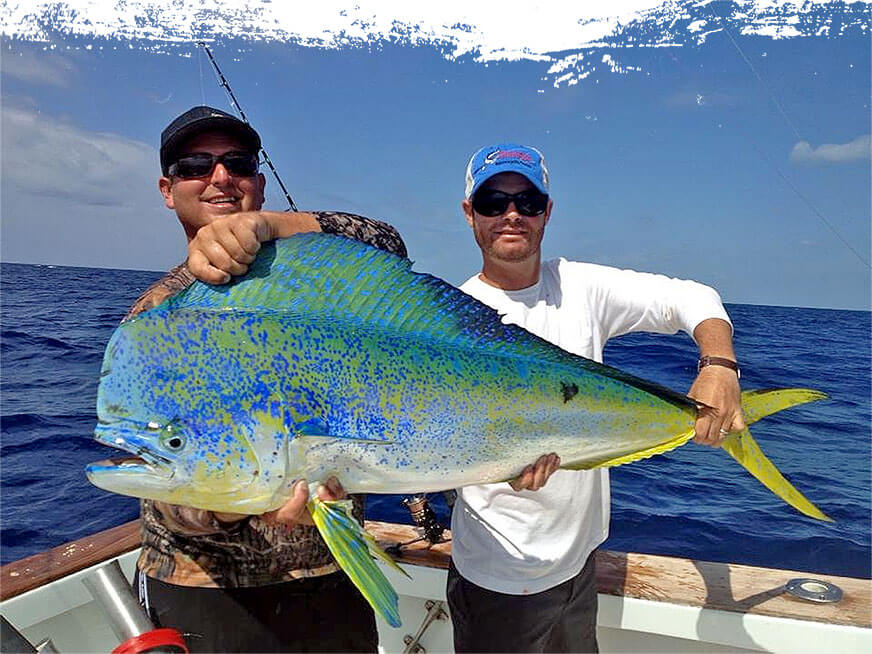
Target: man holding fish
{"x":233,"y":582}
{"x":522,"y":577}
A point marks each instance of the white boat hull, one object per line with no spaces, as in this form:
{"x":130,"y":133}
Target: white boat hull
{"x":64,"y":611}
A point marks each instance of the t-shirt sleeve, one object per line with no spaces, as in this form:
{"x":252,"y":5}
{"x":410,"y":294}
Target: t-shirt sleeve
{"x":630,"y":301}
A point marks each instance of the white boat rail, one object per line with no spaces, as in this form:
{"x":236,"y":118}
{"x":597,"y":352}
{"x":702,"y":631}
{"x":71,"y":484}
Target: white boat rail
{"x":648,"y":603}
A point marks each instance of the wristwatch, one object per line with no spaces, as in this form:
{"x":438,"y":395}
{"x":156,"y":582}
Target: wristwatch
{"x":718,"y":361}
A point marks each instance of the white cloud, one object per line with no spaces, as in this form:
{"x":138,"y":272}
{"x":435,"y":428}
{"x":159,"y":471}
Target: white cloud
{"x":555,"y":33}
{"x":857,"y":150}
{"x":40,"y":68}
{"x":46,"y":156}
{"x":76,"y":197}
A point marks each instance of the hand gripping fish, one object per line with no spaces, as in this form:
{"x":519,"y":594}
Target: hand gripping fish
{"x":330,"y":357}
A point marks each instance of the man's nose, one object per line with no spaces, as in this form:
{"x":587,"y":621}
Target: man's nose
{"x":220,"y":175}
{"x":512,"y":211}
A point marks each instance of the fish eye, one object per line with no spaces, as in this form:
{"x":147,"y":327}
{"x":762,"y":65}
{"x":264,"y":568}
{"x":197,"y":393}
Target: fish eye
{"x":173,"y":439}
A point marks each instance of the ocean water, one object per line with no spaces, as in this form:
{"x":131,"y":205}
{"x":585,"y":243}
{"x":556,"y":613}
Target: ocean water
{"x":694,"y":502}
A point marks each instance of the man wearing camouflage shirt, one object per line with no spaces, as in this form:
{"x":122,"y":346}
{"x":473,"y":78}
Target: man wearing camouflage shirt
{"x":228,"y":582}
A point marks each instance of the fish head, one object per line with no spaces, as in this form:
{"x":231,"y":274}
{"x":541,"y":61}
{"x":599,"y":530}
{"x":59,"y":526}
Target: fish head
{"x":198,"y":437}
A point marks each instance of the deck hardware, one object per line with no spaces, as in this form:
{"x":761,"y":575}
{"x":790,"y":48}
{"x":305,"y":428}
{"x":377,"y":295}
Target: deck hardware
{"x":45,"y":646}
{"x":435,"y":611}
{"x":814,"y":590}
{"x":112,"y":593}
{"x":109,"y":587}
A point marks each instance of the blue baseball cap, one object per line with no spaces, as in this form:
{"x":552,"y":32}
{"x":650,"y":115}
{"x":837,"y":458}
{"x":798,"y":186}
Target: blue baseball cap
{"x":507,"y":158}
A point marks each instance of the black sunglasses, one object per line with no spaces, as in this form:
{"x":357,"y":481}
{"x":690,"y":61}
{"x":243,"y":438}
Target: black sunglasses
{"x":494,"y":203}
{"x":200,"y":164}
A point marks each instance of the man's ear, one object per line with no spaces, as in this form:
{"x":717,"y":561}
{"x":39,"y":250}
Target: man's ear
{"x":467,"y":210}
{"x":548,"y":210}
{"x":261,"y":185}
{"x":165,"y":184}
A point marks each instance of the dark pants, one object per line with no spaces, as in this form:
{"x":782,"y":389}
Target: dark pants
{"x":560,"y":619}
{"x":318,"y":614}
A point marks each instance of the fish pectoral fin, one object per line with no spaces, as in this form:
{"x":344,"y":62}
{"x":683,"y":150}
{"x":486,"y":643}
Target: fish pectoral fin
{"x":354,"y":550}
{"x":744,"y":449}
{"x":630,"y":457}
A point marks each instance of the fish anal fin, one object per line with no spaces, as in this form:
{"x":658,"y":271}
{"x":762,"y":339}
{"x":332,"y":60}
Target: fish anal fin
{"x":630,"y":457}
{"x":354,"y":550}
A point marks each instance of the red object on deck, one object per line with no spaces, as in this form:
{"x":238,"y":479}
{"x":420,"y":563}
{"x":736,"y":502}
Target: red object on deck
{"x":150,"y":640}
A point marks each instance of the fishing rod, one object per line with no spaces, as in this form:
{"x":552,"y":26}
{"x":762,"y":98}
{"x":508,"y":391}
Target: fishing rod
{"x":226,"y":85}
{"x":808,"y":203}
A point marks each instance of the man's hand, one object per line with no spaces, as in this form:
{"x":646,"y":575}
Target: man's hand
{"x":534,"y":477}
{"x":227,"y":246}
{"x":717,"y":387}
{"x":294,"y":511}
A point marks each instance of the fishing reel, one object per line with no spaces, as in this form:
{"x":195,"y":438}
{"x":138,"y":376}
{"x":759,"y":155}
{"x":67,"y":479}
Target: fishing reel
{"x":423,"y":517}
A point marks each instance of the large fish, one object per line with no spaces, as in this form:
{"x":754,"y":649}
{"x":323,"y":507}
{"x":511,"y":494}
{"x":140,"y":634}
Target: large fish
{"x":333,"y":358}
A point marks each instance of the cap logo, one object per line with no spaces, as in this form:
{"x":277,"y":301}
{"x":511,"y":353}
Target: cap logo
{"x":508,"y":154}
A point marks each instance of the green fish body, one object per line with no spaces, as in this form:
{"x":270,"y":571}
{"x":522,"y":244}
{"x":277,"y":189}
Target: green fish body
{"x":333,"y":358}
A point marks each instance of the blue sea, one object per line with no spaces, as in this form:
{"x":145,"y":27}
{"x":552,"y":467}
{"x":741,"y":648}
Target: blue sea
{"x":694,"y":502}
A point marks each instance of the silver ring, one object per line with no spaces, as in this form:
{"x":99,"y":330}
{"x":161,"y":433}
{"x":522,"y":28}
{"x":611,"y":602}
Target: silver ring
{"x":723,"y":432}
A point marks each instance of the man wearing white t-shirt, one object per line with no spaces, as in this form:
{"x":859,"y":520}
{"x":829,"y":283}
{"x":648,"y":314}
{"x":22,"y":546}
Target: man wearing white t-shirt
{"x":522,"y":577}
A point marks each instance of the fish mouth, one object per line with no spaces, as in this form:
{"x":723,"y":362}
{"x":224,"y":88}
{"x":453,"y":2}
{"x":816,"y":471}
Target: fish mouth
{"x":125,"y":465}
{"x":126,"y":437}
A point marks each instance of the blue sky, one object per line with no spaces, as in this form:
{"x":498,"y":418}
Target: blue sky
{"x":706,"y":158}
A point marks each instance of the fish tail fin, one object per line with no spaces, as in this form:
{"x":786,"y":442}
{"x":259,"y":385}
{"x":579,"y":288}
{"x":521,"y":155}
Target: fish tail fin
{"x":354,"y":550}
{"x":761,"y":403}
{"x":744,"y":449}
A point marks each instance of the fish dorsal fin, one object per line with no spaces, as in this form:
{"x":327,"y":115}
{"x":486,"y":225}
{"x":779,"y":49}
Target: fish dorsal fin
{"x":323,"y":276}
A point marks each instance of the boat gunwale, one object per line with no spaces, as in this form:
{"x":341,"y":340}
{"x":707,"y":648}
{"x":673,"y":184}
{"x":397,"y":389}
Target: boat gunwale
{"x":720,"y":586}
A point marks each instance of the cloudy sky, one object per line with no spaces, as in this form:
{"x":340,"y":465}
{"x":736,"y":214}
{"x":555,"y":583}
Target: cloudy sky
{"x":722,"y":141}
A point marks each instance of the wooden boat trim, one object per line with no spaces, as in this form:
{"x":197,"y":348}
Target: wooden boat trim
{"x":719,"y":586}
{"x":34,"y":571}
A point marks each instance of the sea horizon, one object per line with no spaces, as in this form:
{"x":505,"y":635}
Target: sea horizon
{"x":867,"y":309}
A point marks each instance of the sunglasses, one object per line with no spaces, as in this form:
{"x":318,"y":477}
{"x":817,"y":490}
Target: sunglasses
{"x":495,"y":203}
{"x":200,"y":164}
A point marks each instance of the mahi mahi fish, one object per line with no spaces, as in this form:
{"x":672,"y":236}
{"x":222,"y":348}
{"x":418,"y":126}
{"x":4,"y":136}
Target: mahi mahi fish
{"x":330,"y":357}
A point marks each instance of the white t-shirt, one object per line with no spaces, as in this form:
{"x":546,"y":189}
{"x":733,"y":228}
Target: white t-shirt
{"x":529,"y":541}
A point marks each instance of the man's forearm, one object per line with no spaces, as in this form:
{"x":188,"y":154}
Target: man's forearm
{"x":288,"y":223}
{"x":715,"y":338}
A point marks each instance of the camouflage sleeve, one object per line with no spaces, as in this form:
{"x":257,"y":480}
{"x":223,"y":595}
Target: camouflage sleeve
{"x":175,"y":281}
{"x":369,"y":231}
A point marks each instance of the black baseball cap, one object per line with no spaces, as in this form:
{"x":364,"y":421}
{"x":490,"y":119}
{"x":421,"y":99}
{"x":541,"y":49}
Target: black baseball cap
{"x":203,"y":119}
